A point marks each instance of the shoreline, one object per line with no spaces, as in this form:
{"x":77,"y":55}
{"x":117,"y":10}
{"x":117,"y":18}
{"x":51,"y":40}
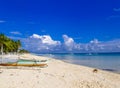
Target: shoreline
{"x":93,"y":61}
{"x":58,"y":74}
{"x":25,"y":56}
{"x":108,"y":70}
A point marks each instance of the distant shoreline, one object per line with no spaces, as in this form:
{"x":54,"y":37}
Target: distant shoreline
{"x":82,"y":53}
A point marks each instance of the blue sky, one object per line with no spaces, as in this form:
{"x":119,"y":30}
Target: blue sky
{"x":83,"y":20}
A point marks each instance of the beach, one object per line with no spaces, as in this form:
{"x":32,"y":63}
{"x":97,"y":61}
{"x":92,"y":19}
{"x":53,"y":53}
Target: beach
{"x":57,"y":74}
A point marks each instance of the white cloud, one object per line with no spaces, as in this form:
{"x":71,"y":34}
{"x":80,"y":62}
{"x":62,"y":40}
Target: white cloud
{"x":2,"y":21}
{"x":15,"y":33}
{"x":95,"y":41}
{"x":45,"y":39}
{"x":68,"y":40}
{"x":35,"y":36}
{"x":45,"y":44}
{"x":68,"y":43}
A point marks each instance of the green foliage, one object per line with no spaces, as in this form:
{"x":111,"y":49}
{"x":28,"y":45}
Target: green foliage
{"x":23,"y":51}
{"x":8,"y":45}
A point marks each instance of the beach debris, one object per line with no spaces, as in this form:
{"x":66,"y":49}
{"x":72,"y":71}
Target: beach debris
{"x":95,"y":70}
{"x":11,"y":74}
{"x":37,"y":76}
{"x":22,"y":82}
{"x":38,"y":82}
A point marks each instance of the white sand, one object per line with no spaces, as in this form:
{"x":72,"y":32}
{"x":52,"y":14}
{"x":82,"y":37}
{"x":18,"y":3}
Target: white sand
{"x":58,"y":74}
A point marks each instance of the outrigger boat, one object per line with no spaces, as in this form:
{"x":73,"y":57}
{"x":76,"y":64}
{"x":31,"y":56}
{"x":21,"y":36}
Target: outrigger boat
{"x":28,"y":63}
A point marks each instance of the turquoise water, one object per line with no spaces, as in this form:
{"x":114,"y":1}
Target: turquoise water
{"x":105,"y":61}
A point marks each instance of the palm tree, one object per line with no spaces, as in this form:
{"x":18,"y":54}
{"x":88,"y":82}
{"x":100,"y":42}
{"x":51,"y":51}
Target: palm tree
{"x":18,"y":44}
{"x":2,"y":42}
{"x":8,"y":45}
{"x":3,"y":39}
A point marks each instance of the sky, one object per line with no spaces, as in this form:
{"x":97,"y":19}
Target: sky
{"x":62,"y":23}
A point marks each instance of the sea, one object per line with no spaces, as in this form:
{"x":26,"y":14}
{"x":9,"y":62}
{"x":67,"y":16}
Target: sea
{"x":104,"y":61}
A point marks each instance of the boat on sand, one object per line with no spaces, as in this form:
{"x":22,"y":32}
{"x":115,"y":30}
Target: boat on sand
{"x":28,"y":63}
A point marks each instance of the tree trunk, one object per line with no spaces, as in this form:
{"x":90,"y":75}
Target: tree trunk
{"x":1,"y":52}
{"x":2,"y":49}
